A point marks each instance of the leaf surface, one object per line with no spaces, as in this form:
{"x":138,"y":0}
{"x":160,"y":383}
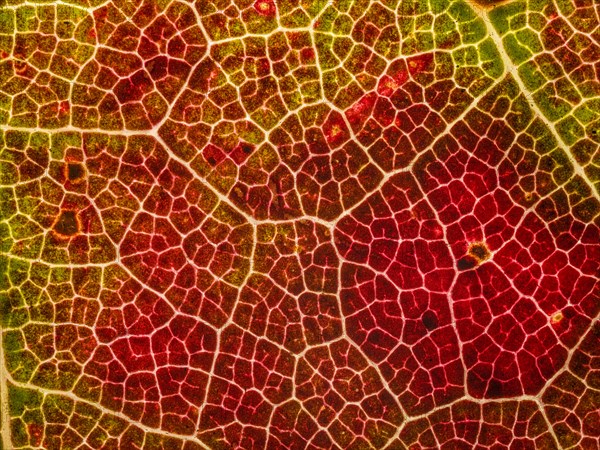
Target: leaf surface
{"x":298,"y":224}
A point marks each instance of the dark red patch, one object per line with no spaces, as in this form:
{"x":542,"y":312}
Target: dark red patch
{"x":213,"y":155}
{"x":67,"y":224}
{"x":241,"y":152}
{"x":307,"y":55}
{"x":358,"y":113}
{"x":335,"y":129}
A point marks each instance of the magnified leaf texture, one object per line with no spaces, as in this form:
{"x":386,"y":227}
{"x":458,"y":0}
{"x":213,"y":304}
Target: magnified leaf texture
{"x":299,"y":224}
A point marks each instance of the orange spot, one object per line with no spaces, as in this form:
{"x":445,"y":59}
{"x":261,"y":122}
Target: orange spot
{"x":20,"y":67}
{"x":477,"y":254}
{"x":557,"y":317}
{"x":392,"y":84}
{"x":530,"y":197}
{"x":479,"y":251}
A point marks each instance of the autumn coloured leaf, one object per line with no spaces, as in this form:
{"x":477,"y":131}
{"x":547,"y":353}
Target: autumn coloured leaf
{"x":300,"y":224}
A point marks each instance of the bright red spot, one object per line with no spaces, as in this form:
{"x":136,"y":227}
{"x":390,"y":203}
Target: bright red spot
{"x":335,"y":129}
{"x":358,"y":113}
{"x":421,"y":63}
{"x":307,"y":55}
{"x":396,"y":77}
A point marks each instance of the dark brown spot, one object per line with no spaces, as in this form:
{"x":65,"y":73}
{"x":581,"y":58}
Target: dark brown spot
{"x":479,"y":251}
{"x":67,"y":224}
{"x":430,"y":320}
{"x":466,"y":263}
{"x":495,"y":389}
{"x":75,"y":171}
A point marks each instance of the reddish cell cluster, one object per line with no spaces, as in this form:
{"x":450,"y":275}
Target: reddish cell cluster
{"x":284,"y":224}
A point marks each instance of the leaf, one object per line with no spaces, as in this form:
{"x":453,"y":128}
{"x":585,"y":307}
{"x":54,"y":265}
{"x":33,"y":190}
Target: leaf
{"x":299,"y":224}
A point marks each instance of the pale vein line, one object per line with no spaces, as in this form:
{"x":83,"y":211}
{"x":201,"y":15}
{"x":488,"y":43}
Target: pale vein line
{"x":104,"y":410}
{"x":510,"y":66}
{"x":4,"y":401}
